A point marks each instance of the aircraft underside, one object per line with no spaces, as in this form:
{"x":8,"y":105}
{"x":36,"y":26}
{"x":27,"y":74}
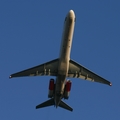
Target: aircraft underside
{"x":62,"y":68}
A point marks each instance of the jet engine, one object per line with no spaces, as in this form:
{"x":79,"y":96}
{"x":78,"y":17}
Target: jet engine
{"x":51,"y":88}
{"x":67,"y":89}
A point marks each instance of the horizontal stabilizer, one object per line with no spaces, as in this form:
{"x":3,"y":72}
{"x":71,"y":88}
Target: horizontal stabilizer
{"x":65,"y":106}
{"x":46,"y":103}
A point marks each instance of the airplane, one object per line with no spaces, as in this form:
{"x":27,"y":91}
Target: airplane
{"x":63,"y":68}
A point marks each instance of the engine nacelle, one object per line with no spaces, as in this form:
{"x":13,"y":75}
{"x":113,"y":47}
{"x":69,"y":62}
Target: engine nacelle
{"x":51,"y":88}
{"x":67,"y":89}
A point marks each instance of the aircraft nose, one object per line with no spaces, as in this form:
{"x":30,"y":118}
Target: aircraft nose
{"x":71,"y":14}
{"x":71,"y":11}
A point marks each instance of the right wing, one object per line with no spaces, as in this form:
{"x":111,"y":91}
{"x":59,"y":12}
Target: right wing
{"x":49,"y":68}
{"x":78,"y":71}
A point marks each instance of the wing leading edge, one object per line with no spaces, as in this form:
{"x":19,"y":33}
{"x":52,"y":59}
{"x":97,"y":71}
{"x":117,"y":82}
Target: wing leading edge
{"x":78,"y":71}
{"x":49,"y":68}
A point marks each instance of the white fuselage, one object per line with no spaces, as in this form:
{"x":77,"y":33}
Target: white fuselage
{"x":64,"y":55}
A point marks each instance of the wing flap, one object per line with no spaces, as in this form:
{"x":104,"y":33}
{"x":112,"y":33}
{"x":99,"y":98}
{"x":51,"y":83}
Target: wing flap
{"x":49,"y":68}
{"x":78,"y":71}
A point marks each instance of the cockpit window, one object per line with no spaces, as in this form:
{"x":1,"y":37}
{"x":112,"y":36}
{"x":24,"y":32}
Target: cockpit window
{"x":65,"y":18}
{"x":75,"y":19}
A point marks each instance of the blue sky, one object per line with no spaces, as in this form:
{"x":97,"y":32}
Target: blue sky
{"x":30,"y":34}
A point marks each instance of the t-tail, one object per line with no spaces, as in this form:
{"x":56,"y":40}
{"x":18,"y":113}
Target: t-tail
{"x":51,"y":102}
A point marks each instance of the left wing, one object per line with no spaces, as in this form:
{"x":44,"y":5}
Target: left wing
{"x":49,"y":68}
{"x":78,"y":71}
